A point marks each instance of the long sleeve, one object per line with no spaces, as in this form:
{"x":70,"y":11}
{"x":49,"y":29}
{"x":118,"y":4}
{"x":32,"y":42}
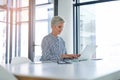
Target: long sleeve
{"x":52,"y":48}
{"x":46,"y":49}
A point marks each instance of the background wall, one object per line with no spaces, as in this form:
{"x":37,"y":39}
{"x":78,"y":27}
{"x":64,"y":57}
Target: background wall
{"x":65,"y":10}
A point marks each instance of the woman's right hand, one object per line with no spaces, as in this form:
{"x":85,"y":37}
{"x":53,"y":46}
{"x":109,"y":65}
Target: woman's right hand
{"x":70,"y":56}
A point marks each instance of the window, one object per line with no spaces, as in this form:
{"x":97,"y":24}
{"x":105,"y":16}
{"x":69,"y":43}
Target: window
{"x":43,"y":15}
{"x":2,"y":35}
{"x":82,"y":1}
{"x":15,"y":32}
{"x":20,"y":28}
{"x":2,"y":42}
{"x":98,"y":24}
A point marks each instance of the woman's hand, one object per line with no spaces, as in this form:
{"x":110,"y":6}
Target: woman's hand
{"x":70,"y":56}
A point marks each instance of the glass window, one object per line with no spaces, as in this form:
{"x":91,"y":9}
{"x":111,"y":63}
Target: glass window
{"x":24,"y":14}
{"x":42,"y":12}
{"x":41,"y":29}
{"x":20,"y":3}
{"x":2,"y":42}
{"x":13,"y":40}
{"x":43,"y":15}
{"x":41,"y":1}
{"x":24,"y":40}
{"x":2,"y":35}
{"x":87,"y":30}
{"x":18,"y":30}
{"x":81,"y":1}
{"x":3,"y":15}
{"x":107,"y":28}
{"x":24,"y":3}
{"x":99,"y":24}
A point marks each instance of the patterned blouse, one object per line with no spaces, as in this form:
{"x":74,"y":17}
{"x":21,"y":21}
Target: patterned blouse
{"x":52,"y":48}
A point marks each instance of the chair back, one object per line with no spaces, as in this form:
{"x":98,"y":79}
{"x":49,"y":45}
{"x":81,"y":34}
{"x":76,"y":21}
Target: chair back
{"x":20,"y":60}
{"x":6,"y":75}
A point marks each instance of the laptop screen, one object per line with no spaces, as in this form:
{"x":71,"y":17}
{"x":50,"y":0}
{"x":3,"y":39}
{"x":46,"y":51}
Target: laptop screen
{"x":88,"y":52}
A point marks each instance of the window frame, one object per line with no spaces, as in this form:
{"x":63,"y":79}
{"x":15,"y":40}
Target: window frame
{"x":76,"y":22}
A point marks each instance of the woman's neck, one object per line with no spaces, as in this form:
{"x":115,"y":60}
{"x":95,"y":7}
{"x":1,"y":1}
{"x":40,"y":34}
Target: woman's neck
{"x":54,"y":34}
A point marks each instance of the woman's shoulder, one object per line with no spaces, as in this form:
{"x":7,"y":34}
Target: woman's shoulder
{"x":48,"y":38}
{"x":61,"y":39}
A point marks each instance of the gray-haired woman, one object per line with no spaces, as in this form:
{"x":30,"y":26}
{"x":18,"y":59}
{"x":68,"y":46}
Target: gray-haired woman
{"x":53,"y":46}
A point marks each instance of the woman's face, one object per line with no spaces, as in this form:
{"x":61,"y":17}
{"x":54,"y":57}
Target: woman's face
{"x":58,"y":29}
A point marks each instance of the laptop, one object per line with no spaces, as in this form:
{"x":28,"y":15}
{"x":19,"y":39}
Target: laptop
{"x":88,"y":52}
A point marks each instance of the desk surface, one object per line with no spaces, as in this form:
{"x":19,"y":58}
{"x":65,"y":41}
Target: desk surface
{"x":84,"y":70}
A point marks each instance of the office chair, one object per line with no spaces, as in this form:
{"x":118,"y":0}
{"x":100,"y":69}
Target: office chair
{"x":20,"y":60}
{"x":5,"y":75}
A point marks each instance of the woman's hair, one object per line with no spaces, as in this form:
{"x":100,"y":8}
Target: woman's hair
{"x":56,"y":20}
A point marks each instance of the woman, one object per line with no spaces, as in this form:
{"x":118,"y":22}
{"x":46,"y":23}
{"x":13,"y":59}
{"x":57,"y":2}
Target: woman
{"x":53,"y":46}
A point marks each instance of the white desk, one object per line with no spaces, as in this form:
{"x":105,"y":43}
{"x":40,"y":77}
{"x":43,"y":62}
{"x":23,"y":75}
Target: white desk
{"x":85,"y":70}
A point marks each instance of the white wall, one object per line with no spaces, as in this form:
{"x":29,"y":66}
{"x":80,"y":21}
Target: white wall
{"x":65,"y":10}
